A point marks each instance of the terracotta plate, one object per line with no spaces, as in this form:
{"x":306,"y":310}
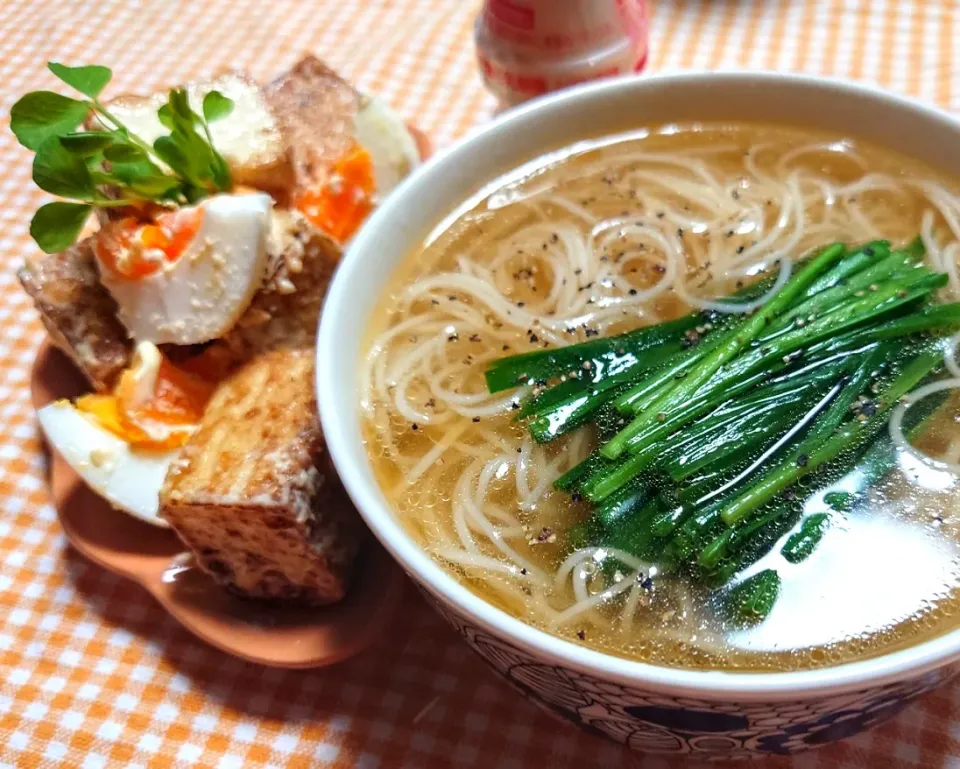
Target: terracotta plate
{"x":292,"y":638}
{"x":155,"y":558}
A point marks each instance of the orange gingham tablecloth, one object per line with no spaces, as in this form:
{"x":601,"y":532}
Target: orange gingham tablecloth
{"x":92,"y":672}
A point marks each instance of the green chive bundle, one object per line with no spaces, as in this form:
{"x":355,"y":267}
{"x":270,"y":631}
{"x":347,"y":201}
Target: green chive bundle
{"x":715,"y":428}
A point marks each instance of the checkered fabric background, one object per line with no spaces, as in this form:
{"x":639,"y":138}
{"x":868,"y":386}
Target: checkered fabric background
{"x":92,"y":672}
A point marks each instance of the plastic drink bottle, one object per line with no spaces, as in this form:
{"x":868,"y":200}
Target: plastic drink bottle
{"x":526,"y":48}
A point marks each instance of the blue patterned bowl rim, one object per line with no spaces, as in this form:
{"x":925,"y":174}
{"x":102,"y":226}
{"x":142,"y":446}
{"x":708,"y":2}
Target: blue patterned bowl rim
{"x":424,"y":198}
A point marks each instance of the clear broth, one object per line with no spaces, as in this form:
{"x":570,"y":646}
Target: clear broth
{"x":886,"y":575}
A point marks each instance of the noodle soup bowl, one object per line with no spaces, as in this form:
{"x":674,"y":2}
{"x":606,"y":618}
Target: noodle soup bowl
{"x":707,"y":714}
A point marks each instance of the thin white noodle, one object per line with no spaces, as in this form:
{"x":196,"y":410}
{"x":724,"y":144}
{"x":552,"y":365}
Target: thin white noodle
{"x":868,"y":230}
{"x":495,"y":511}
{"x":498,"y":467}
{"x":462,"y":529}
{"x":439,"y":448}
{"x":896,"y":423}
{"x":479,"y":561}
{"x":556,"y":261}
{"x":840,"y":148}
{"x":523,"y":464}
{"x":786,"y":269}
{"x":593,"y":601}
{"x":950,"y":356}
{"x":948,"y":263}
{"x":929,"y":238}
{"x":548,"y":475}
{"x":571,"y":207}
{"x":594,"y":553}
{"x":630,"y":608}
{"x":477,"y":517}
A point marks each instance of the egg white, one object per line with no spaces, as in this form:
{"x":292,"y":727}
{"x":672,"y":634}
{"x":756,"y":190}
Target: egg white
{"x":202,"y":294}
{"x":382,"y":133}
{"x":128,"y":478}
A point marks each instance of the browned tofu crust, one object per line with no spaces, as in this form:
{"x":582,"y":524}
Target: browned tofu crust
{"x":79,"y":313}
{"x":286,"y":311}
{"x":251,"y":141}
{"x":314,"y":108}
{"x":251,"y":493}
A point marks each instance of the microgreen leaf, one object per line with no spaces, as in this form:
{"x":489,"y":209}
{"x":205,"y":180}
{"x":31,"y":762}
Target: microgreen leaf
{"x":124,"y":153}
{"x":187,"y":151}
{"x":199,"y":154}
{"x":89,"y":81}
{"x":145,"y":179}
{"x":216,"y":106}
{"x":180,"y":106}
{"x":59,"y":172}
{"x":42,"y":114}
{"x":157,"y":187}
{"x":165,"y":116}
{"x":56,"y":226}
{"x":87,"y":143}
{"x":98,"y":168}
{"x":170,"y":153}
{"x":220,"y":172}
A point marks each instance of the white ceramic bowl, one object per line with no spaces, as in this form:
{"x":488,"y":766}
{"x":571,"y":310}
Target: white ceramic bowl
{"x":648,"y":707}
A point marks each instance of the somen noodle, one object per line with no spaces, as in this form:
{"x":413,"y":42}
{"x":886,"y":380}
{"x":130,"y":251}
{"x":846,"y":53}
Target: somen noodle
{"x":603,"y":238}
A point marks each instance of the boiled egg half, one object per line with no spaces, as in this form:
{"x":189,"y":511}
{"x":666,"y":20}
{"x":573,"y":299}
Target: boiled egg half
{"x":393,"y":150}
{"x":382,"y":154}
{"x":122,"y":444}
{"x":187,"y":277}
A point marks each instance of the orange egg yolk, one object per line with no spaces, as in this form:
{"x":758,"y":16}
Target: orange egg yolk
{"x":135,"y":250}
{"x":344,"y":201}
{"x":164,"y":419}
